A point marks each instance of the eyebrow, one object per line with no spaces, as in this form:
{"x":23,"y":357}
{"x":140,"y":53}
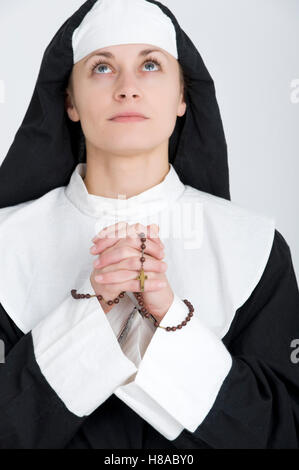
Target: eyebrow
{"x":111,"y":56}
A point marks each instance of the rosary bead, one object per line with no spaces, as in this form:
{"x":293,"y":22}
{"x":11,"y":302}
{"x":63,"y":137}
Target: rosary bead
{"x":140,"y":298}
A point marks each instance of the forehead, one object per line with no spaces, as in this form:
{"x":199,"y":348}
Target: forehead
{"x":139,"y":50}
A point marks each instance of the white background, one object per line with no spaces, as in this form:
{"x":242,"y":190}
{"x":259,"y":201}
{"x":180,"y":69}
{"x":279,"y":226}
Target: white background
{"x":251,"y":49}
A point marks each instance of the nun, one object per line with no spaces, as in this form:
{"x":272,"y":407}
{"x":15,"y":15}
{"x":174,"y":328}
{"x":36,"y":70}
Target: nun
{"x":140,"y":308}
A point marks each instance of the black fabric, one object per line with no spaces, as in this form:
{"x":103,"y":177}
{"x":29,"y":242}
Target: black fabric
{"x":47,"y":146}
{"x":257,"y":405}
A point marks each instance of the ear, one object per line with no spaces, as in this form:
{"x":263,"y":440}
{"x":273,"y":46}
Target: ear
{"x":70,"y":106}
{"x":182,"y":106}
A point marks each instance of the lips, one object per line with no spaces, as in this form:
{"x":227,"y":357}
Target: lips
{"x":129,"y":114}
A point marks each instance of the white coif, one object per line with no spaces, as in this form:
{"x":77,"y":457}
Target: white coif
{"x":114,"y":22}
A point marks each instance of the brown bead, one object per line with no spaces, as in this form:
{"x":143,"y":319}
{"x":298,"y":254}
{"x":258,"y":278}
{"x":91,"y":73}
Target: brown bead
{"x":143,"y":309}
{"x":142,"y":259}
{"x":143,"y":240}
{"x":143,"y":246}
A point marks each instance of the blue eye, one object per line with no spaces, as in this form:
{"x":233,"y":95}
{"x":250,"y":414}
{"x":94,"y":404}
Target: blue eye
{"x":96,"y":65}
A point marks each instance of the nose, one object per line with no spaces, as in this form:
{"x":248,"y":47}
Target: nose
{"x":127,"y":93}
{"x":127,"y":88}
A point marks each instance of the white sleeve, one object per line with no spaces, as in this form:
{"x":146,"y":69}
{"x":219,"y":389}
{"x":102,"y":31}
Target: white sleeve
{"x":174,"y":387}
{"x":79,"y":355}
{"x":182,"y":361}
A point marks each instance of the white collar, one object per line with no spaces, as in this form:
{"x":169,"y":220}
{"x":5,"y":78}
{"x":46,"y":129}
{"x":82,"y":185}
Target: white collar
{"x":149,"y":202}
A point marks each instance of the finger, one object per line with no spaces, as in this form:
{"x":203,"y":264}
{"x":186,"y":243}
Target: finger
{"x":105,"y":245}
{"x":129,"y":281}
{"x":123,"y":229}
{"x":110,"y":230}
{"x":153,"y":233}
{"x":112,"y":234}
{"x":150,"y":231}
{"x":133,"y":263}
{"x":124,"y":249}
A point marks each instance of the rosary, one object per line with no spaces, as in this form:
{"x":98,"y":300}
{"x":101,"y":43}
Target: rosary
{"x":144,"y":312}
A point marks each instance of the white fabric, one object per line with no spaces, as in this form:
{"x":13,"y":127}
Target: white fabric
{"x":79,"y":354}
{"x":215,"y":264}
{"x":115,"y":22}
{"x":182,"y":371}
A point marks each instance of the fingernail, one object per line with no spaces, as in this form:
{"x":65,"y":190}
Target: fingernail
{"x":93,"y":249}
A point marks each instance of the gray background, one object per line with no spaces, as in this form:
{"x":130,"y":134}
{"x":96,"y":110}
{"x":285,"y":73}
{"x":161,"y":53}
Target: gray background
{"x":251,"y":49}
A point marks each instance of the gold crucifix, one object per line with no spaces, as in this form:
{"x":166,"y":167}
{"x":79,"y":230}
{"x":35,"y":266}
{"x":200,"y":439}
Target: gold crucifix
{"x":141,"y":277}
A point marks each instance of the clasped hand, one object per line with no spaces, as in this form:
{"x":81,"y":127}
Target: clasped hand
{"x":118,"y":264}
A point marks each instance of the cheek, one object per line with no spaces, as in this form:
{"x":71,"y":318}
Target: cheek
{"x":93,"y":104}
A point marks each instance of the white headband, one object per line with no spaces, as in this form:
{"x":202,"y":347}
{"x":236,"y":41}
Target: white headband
{"x":114,"y":22}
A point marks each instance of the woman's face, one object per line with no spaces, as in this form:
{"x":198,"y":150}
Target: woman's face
{"x":130,"y":80}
